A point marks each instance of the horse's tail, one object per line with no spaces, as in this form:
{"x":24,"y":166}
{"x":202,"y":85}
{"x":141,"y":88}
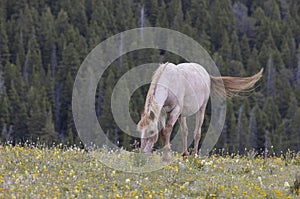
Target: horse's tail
{"x":229,"y":86}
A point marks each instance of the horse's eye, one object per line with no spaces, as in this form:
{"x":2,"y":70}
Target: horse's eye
{"x":151,"y":132}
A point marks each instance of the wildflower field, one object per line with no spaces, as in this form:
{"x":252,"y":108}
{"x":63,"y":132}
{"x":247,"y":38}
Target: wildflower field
{"x":59,"y":172}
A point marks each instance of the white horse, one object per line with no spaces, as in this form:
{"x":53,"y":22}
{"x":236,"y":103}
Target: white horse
{"x":180,"y":91}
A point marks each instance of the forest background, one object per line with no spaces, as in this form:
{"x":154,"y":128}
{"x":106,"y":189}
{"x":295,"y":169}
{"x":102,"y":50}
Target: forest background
{"x":43,"y":42}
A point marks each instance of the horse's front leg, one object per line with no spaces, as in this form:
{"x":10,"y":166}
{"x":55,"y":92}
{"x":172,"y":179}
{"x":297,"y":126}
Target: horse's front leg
{"x":166,"y":133}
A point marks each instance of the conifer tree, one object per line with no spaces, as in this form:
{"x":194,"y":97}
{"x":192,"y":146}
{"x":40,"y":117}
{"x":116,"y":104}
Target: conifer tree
{"x":286,"y":54}
{"x":253,"y":65}
{"x":4,"y":51}
{"x":231,"y":129}
{"x":245,"y":50}
{"x":272,"y":119}
{"x":225,"y":49}
{"x":162,"y":20}
{"x":152,"y":11}
{"x":220,"y":21}
{"x":4,"y":110}
{"x":242,"y":130}
{"x":236,"y":51}
{"x":257,"y":129}
{"x":272,"y":9}
{"x":46,"y":35}
{"x":33,"y":60}
{"x":2,"y":83}
{"x":261,"y":27}
{"x":294,"y":135}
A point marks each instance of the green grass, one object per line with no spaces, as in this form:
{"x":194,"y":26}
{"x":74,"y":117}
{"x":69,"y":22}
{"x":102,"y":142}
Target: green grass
{"x":38,"y":172}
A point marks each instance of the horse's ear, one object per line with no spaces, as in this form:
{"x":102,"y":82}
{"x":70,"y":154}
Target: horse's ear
{"x":152,"y":115}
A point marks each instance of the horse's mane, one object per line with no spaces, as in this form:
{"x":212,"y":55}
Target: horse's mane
{"x":151,"y":91}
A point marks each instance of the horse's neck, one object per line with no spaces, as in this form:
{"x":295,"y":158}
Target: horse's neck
{"x":160,"y":96}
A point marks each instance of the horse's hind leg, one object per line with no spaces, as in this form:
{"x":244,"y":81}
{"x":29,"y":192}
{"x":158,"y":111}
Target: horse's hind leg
{"x":197,"y":133}
{"x":184,"y":130}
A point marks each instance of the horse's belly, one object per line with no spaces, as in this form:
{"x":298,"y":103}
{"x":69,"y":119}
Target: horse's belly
{"x":193,"y":102}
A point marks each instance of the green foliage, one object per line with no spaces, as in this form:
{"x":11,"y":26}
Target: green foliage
{"x":42,"y":44}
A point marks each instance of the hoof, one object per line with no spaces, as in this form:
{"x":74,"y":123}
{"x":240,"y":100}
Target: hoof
{"x":185,"y":154}
{"x":194,"y":153}
{"x":166,"y":156}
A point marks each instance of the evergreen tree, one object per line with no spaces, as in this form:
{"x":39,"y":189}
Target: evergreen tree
{"x":242,"y":130}
{"x":37,"y":113}
{"x":271,"y":74}
{"x":286,"y":54}
{"x":176,"y":16}
{"x":4,"y":51}
{"x":220,"y":20}
{"x":4,"y":110}
{"x":276,"y":33}
{"x":18,"y":115}
{"x":235,"y":68}
{"x":225,"y":49}
{"x":298,"y":70}
{"x":33,"y":61}
{"x":152,"y":11}
{"x":106,"y":115}
{"x":272,"y":9}
{"x":49,"y":85}
{"x":231,"y":129}
{"x":284,"y":91}
{"x":46,"y":35}
{"x":94,"y":34}
{"x":272,"y":120}
{"x":261,"y":27}
{"x":294,"y":135}
{"x":256,"y":141}
{"x":236,"y":51}
{"x":253,"y":65}
{"x":162,"y":20}
{"x":245,"y":50}
{"x":2,"y":84}
{"x":65,"y":123}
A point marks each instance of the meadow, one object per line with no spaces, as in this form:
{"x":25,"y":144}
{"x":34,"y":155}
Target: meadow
{"x":70,"y":172}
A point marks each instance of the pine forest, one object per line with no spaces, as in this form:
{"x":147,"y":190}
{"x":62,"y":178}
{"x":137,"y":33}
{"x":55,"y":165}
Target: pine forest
{"x":43,"y":43}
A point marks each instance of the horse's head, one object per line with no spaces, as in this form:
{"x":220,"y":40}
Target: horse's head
{"x":148,"y":129}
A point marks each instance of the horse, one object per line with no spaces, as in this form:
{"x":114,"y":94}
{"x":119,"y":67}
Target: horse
{"x":178,"y":91}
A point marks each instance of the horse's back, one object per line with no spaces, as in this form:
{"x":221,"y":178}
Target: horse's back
{"x":190,"y":83}
{"x":195,"y":70}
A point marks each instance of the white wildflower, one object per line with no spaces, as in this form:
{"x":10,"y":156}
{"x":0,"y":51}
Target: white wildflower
{"x":286,"y":185}
{"x":260,"y":181}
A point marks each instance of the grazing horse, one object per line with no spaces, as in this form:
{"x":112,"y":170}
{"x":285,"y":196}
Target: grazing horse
{"x":180,"y":91}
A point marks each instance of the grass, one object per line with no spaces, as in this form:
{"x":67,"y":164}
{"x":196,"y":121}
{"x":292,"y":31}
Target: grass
{"x":58,"y":172}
